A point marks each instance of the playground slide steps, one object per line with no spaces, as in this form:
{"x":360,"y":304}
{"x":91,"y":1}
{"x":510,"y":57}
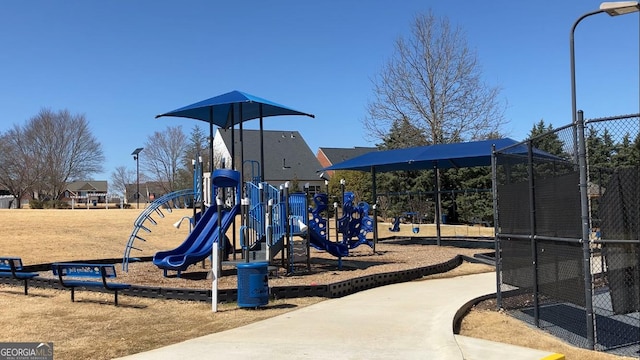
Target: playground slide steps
{"x":276,"y":248}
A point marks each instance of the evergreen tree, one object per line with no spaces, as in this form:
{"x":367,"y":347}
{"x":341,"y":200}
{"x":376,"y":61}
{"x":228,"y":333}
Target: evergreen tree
{"x":600,"y":149}
{"x":627,"y":152}
{"x":550,"y":142}
{"x":403,"y":134}
{"x":196,"y":149}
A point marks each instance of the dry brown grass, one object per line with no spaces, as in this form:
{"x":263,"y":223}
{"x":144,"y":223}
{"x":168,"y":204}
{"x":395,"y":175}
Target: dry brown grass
{"x":138,"y":324}
{"x":498,"y":326}
{"x":92,"y":328}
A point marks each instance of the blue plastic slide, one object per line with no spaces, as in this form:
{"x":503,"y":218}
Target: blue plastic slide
{"x":319,"y":242}
{"x":199,"y":243}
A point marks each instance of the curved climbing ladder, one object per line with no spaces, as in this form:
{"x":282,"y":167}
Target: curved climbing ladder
{"x":175,"y":200}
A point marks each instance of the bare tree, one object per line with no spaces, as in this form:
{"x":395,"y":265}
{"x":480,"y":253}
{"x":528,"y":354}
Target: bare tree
{"x":18,"y":166}
{"x":163,"y":152}
{"x":65,"y":148}
{"x":50,"y":150}
{"x":120,"y":178}
{"x":433,"y":80}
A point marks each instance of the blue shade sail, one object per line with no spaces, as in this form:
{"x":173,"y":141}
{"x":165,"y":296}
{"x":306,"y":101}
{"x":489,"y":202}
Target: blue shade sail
{"x":232,"y":108}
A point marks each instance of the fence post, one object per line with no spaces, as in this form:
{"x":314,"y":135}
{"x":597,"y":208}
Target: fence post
{"x":534,"y":246}
{"x":584,"y":214}
{"x":496,"y":239}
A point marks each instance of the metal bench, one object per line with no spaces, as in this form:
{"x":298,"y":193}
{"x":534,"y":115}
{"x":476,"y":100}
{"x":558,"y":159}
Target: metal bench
{"x":79,"y":275}
{"x":11,"y":267}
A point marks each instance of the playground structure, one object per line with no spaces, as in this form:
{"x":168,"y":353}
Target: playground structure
{"x":355,"y":222}
{"x":268,"y":215}
{"x":209,"y":229}
{"x":415,"y":227}
{"x":459,"y":206}
{"x":395,"y":224}
{"x":274,"y":221}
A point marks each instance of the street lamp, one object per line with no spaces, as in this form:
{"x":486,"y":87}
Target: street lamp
{"x":136,"y":157}
{"x":613,"y":9}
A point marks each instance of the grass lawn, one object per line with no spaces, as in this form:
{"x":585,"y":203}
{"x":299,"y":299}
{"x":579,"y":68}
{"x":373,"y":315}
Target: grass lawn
{"x":92,"y":328}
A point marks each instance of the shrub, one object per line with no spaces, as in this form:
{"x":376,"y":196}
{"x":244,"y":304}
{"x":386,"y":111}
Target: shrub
{"x":36,"y":204}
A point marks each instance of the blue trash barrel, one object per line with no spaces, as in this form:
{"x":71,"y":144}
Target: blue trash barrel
{"x":253,"y":284}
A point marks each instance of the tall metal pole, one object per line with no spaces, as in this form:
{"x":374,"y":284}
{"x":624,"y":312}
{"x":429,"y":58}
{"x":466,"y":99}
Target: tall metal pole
{"x":342,"y":185}
{"x":210,"y":141}
{"x":573,"y":62}
{"x":306,"y":220}
{"x":195,"y":188}
{"x":498,"y":256}
{"x":335,"y":213}
{"x":375,"y":207}
{"x":437,"y":184}
{"x":136,"y":157}
{"x":586,"y":244}
{"x":328,"y":234}
{"x":262,"y":178}
{"x":287,"y":229}
{"x":613,"y":9}
{"x":138,"y":181}
{"x":532,"y":226}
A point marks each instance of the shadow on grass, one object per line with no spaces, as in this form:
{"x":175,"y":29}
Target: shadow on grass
{"x":21,"y":293}
{"x":111,"y":303}
{"x":270,"y":307}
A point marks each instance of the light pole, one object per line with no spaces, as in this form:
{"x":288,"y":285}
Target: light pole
{"x":613,"y":9}
{"x":136,"y":157}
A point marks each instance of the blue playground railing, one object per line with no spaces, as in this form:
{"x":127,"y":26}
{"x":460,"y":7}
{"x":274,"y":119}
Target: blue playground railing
{"x":277,"y":228}
{"x":298,"y":211}
{"x":258,"y":204}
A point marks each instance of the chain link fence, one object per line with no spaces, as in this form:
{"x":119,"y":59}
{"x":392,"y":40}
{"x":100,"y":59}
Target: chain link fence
{"x":567,"y":209}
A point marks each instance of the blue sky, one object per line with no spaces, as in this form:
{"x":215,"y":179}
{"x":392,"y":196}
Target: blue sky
{"x":120,"y":63}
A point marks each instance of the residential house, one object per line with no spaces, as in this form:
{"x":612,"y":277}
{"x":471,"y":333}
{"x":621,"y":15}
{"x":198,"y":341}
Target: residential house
{"x":85,"y":192}
{"x":149,"y":191}
{"x":330,"y":156}
{"x":287,"y":157}
{"x":7,"y":201}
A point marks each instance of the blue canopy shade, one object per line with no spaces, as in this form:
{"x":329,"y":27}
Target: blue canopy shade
{"x":442,"y":156}
{"x":218,"y":109}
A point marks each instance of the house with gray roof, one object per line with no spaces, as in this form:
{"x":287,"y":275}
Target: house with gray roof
{"x":85,"y":192}
{"x":330,"y":156}
{"x":287,"y":157}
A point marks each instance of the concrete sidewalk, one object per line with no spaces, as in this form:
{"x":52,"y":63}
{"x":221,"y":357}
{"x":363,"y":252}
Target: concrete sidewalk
{"x":412,"y":320}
